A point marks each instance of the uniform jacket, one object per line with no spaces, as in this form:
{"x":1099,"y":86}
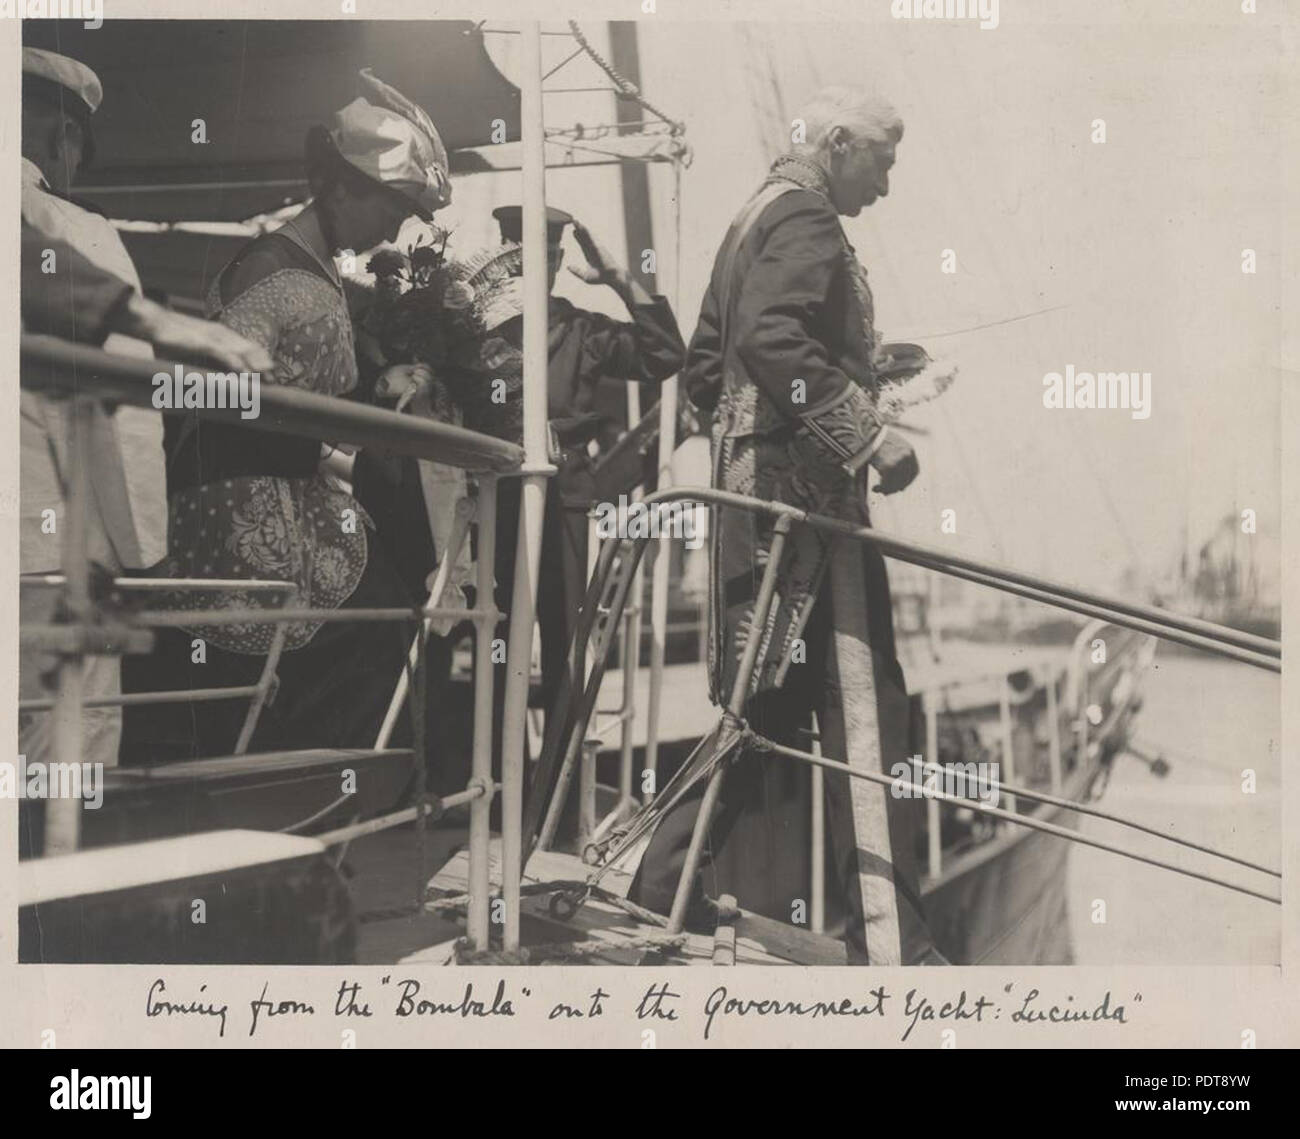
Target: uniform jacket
{"x":782,"y":358}
{"x":123,"y":455}
{"x":587,"y":348}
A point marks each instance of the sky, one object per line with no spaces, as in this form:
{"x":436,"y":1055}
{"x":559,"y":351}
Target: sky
{"x":1134,"y":246}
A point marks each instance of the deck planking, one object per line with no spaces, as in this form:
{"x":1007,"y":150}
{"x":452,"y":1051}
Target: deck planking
{"x":758,"y":940}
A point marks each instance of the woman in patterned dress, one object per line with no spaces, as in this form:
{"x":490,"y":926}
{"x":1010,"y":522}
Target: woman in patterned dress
{"x":246,"y":503}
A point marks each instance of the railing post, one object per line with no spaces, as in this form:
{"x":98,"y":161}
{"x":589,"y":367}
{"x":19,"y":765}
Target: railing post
{"x":818,"y":828}
{"x":63,"y":816}
{"x":1081,"y":721}
{"x":582,"y":668}
{"x":459,"y":535}
{"x":659,"y":585}
{"x":264,"y":682}
{"x":419,"y":702}
{"x":631,"y":664}
{"x":627,"y":555}
{"x":533,"y":491}
{"x":1008,"y":753}
{"x":736,"y":706}
{"x":1053,"y":731}
{"x":933,"y":816}
{"x":587,"y":793}
{"x":480,"y":811}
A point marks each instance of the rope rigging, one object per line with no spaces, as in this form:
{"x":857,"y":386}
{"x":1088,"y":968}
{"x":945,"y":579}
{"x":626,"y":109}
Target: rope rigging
{"x":624,"y":87}
{"x":626,"y":837}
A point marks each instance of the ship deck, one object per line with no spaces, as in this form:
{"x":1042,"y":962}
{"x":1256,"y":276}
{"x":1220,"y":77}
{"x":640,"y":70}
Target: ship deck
{"x":603,"y":933}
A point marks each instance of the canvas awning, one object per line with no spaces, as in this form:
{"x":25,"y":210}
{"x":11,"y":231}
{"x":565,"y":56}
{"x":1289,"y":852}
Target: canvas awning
{"x":258,"y":85}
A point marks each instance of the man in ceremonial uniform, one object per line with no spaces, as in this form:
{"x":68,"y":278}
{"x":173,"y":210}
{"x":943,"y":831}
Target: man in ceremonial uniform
{"x":587,"y":350}
{"x":783,"y":359}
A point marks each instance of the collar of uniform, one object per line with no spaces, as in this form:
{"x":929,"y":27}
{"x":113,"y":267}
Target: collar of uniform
{"x":31,"y":176}
{"x":802,"y":172}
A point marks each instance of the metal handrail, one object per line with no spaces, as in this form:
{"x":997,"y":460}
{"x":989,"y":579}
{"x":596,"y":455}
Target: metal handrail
{"x":56,"y":365}
{"x":1028,"y":821}
{"x":88,"y":375}
{"x":47,"y":363}
{"x":257,"y":693}
{"x":53,"y":364}
{"x":1192,"y":631}
{"x":1259,"y":652}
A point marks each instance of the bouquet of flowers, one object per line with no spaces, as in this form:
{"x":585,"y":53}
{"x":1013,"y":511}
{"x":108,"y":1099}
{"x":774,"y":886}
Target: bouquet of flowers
{"x":427,"y":309}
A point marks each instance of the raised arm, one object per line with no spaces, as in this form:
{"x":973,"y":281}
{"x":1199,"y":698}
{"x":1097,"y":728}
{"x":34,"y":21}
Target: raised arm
{"x":649,"y":347}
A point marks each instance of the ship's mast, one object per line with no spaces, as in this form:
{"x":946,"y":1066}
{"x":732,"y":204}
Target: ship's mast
{"x":536,"y":471}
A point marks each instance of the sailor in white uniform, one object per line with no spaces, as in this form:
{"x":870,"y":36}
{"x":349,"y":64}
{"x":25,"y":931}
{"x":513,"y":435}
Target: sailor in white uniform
{"x":123,"y":456}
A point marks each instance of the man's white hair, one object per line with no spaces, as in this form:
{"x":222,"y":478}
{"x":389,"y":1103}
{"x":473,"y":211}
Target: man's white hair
{"x":863,"y":113}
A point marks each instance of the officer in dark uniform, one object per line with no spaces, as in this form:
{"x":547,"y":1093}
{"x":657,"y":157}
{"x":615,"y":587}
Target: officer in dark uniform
{"x":587,"y":352}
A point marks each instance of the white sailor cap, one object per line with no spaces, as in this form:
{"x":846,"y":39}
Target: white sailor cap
{"x":67,"y":84}
{"x":62,"y":71}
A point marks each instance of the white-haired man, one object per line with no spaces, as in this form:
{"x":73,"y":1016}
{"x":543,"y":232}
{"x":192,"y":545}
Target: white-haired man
{"x":783,"y":358}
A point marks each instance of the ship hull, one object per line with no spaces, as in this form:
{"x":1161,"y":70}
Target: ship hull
{"x":1010,"y":908}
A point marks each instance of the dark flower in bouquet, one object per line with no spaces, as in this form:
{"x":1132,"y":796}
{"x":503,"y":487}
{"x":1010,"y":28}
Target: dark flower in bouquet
{"x":428,"y":309}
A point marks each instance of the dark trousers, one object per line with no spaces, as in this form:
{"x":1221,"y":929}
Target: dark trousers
{"x":758,"y":846}
{"x":561,"y":586}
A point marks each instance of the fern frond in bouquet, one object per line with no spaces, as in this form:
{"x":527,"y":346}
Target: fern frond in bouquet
{"x":430,"y":310}
{"x":907,"y":377}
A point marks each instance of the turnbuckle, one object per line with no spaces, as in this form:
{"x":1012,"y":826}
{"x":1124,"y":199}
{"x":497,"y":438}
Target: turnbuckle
{"x":564,"y":904}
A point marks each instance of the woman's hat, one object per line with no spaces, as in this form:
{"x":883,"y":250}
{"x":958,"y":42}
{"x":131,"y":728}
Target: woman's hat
{"x":394,"y":142}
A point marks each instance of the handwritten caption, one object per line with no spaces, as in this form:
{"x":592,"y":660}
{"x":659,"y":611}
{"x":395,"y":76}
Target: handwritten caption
{"x":409,"y":998}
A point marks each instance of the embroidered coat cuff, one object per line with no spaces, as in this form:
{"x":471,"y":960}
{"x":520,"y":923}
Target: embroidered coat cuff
{"x":847,"y":429}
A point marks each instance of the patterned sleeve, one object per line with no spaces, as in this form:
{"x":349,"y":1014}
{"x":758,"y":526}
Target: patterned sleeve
{"x":243,"y":297}
{"x":292,"y":316}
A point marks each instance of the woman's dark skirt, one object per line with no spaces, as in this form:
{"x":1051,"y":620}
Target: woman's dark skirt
{"x":331,"y":693}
